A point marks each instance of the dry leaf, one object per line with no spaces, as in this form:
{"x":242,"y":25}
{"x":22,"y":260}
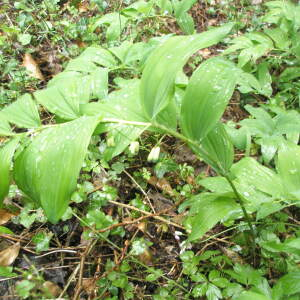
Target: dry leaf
{"x":9,"y":255}
{"x":162,"y":184}
{"x":32,"y":67}
{"x":5,"y":216}
{"x":83,"y":6}
{"x":146,"y":257}
{"x":205,"y":53}
{"x":161,"y":203}
{"x":89,"y":285}
{"x":235,"y":257}
{"x":52,"y":288}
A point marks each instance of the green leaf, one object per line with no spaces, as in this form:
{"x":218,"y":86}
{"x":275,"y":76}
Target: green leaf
{"x":122,"y":135}
{"x":115,"y":22}
{"x":184,"y":20}
{"x":251,"y":173}
{"x":90,"y":59}
{"x":164,"y":63}
{"x":5,"y":230}
{"x":288,"y":166}
{"x":64,"y":96}
{"x":120,"y":105}
{"x":265,"y":79}
{"x":5,"y":129}
{"x":23,"y":113}
{"x":210,"y":212}
{"x":289,"y":74}
{"x":280,"y":38}
{"x":7,"y":272}
{"x":42,"y":240}
{"x":289,"y":284}
{"x":91,"y":85}
{"x":216,"y":150}
{"x":248,"y":295}
{"x":216,"y":184}
{"x":208,"y":92}
{"x":48,"y":168}
{"x":6,"y":154}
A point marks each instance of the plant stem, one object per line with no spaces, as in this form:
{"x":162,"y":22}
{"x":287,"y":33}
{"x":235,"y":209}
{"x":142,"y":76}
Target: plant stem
{"x":246,"y":215}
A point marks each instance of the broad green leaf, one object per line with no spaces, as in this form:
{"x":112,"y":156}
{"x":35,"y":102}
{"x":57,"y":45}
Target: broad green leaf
{"x":288,"y":166}
{"x":120,"y":105}
{"x":91,"y":85}
{"x":47,"y":170}
{"x":139,"y":7}
{"x":239,"y":137}
{"x":115,"y":22}
{"x":251,"y":173}
{"x":90,"y":59}
{"x":289,"y":284}
{"x":129,"y":52}
{"x":262,"y":124}
{"x":164,"y":63}
{"x":186,"y":23}
{"x":209,"y":214}
{"x":122,"y":136}
{"x":265,"y":79}
{"x":6,"y":154}
{"x":61,"y":100}
{"x":280,"y":38}
{"x":64,"y":96}
{"x":208,"y":92}
{"x":267,"y":209}
{"x":184,"y":20}
{"x":216,"y":184}
{"x":5,"y":129}
{"x":289,"y":74}
{"x":248,"y":295}
{"x":216,"y":150}
{"x":269,"y":146}
{"x":23,"y":112}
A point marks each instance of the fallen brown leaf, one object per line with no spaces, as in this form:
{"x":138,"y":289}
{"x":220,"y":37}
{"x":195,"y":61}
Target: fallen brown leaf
{"x":9,"y":255}
{"x":89,"y":285}
{"x":5,"y":216}
{"x":162,"y":184}
{"x":83,"y":6}
{"x":32,"y":67}
{"x":146,"y":257}
{"x":52,"y":288}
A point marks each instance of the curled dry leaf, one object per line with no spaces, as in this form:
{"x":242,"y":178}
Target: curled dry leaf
{"x":146,"y":257}
{"x":32,"y":67}
{"x":52,"y":288}
{"x":5,"y":216}
{"x":162,"y":184}
{"x":89,"y":285}
{"x":9,"y":255}
{"x":235,"y":257}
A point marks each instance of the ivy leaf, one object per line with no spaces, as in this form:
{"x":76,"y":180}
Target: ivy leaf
{"x":48,"y":168}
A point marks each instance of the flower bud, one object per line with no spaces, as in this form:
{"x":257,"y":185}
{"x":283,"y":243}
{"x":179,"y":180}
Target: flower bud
{"x":154,"y":155}
{"x":134,"y":148}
